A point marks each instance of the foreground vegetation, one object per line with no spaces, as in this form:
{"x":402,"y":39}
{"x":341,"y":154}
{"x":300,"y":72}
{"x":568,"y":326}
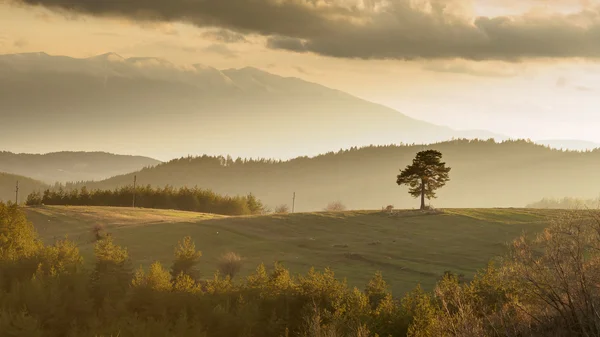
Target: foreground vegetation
{"x":409,"y":247}
{"x":545,"y":287}
{"x":186,"y":199}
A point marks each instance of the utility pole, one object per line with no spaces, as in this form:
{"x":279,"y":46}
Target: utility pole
{"x":293,"y":202}
{"x":17,"y":194}
{"x":134,"y":181}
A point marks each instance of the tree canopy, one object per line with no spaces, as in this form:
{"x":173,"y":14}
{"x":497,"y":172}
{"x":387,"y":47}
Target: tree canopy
{"x":426,"y":174}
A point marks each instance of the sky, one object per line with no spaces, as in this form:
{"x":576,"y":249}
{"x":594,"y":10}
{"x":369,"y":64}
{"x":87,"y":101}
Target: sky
{"x":523,"y":68}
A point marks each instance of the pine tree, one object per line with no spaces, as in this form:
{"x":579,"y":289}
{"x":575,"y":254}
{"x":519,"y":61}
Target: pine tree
{"x":426,"y":174}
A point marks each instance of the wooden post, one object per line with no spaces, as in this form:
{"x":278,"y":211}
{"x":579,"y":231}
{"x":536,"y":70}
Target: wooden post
{"x":17,"y":194}
{"x":293,"y":202}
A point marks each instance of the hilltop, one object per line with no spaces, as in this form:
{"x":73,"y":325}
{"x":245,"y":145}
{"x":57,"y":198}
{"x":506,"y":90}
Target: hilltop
{"x":484,"y":174}
{"x":71,"y":166}
{"x":408,"y":247}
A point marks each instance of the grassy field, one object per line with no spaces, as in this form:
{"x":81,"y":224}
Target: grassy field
{"x":408,"y":247}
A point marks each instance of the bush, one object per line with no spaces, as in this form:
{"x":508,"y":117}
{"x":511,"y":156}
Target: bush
{"x":98,"y":232}
{"x":230,"y":264}
{"x":335,"y":206}
{"x":282,"y":209}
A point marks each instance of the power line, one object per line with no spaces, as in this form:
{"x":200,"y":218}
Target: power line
{"x":17,"y":194}
{"x":134,"y":181}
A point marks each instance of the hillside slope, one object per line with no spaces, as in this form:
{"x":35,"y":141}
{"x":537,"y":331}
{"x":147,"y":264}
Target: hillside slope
{"x":484,"y":174}
{"x":27,"y":185}
{"x":163,"y":110}
{"x":408,"y":247}
{"x":71,"y":166}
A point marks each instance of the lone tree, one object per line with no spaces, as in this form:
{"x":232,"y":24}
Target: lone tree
{"x":426,"y":174}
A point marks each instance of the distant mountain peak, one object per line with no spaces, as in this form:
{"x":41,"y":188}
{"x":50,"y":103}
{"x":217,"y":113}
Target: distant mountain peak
{"x":111,"y":57}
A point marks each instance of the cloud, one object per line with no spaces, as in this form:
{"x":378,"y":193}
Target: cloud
{"x":220,"y":49}
{"x":287,"y":43}
{"x":484,"y":69}
{"x":375,"y":29}
{"x":224,"y":35}
{"x":164,"y":28}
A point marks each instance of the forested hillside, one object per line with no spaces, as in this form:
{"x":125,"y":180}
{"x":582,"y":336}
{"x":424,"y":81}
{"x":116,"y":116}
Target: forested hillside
{"x":484,"y":174}
{"x":8,"y":186}
{"x":71,"y":166}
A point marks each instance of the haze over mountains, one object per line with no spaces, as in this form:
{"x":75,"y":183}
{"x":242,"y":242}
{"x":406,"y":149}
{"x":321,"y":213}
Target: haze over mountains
{"x":71,"y":166}
{"x":152,"y":107}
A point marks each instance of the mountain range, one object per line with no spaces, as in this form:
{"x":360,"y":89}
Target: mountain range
{"x":153,"y":107}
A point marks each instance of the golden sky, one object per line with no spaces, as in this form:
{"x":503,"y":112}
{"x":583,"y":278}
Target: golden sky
{"x":524,"y":68}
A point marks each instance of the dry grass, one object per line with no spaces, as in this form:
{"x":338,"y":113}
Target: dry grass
{"x":409,"y":247}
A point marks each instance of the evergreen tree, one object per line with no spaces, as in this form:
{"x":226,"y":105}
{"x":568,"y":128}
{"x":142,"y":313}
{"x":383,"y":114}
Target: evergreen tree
{"x":426,"y":174}
{"x":186,"y":259}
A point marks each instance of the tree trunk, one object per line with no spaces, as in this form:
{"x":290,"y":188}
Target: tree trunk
{"x":422,"y":195}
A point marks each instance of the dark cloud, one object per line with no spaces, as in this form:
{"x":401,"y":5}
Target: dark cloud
{"x":224,"y":35}
{"x":378,"y":29}
{"x":287,"y":43}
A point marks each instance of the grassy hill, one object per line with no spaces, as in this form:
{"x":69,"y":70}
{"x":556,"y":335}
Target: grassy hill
{"x":408,"y":247}
{"x":484,"y":174}
{"x":26,"y":185}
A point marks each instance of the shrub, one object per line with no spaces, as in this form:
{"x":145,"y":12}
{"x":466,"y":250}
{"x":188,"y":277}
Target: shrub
{"x":335,"y":206}
{"x":98,"y":232}
{"x":230,"y":264}
{"x":186,"y":259}
{"x":282,"y":209}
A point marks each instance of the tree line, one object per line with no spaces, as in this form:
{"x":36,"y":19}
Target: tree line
{"x":360,"y":177}
{"x":185,"y":199}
